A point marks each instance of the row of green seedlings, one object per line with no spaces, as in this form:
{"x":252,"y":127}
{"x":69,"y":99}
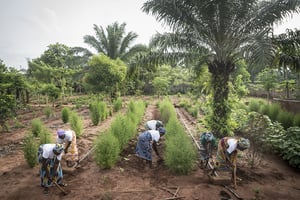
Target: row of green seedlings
{"x":275,"y":113}
{"x":109,"y":144}
{"x":40,"y":134}
{"x":180,"y":154}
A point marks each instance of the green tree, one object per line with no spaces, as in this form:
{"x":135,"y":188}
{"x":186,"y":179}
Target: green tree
{"x":56,"y":65}
{"x":114,"y":42}
{"x":105,"y":75}
{"x":268,"y":79}
{"x":217,"y":33}
{"x":161,"y":85}
{"x":288,"y":54}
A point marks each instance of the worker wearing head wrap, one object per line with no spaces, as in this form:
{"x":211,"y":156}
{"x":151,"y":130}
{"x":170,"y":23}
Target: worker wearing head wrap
{"x":68,"y":138}
{"x":153,"y":124}
{"x":148,"y":141}
{"x":207,"y":143}
{"x":227,"y":154}
{"x":50,"y":168}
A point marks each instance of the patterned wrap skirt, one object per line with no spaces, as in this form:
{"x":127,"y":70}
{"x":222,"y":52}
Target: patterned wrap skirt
{"x":144,"y":146}
{"x":72,"y":154}
{"x":221,"y":163}
{"x":56,"y":175}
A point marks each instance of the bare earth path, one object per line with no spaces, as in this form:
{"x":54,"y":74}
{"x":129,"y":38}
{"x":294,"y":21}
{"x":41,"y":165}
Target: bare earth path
{"x":130,"y":178}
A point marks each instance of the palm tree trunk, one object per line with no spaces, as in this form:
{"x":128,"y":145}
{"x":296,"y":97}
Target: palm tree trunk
{"x":220,"y":107}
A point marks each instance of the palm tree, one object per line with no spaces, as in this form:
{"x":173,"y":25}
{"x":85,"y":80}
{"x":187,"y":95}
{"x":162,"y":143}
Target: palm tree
{"x":218,"y":32}
{"x":114,"y":43}
{"x":288,"y":53}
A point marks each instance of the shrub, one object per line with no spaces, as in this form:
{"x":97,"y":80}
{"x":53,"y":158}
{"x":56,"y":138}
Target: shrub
{"x":49,"y":112}
{"x":166,"y":110}
{"x":46,"y":136}
{"x":296,"y":121}
{"x":95,"y":113}
{"x":119,"y":130}
{"x":76,"y":124}
{"x":273,"y":110}
{"x":106,"y":151}
{"x":117,"y":104}
{"x":285,"y":118}
{"x":179,"y":160}
{"x":103,"y":110}
{"x":291,"y":147}
{"x":65,"y":114}
{"x":30,"y":150}
{"x":254,"y":105}
{"x":36,"y":127}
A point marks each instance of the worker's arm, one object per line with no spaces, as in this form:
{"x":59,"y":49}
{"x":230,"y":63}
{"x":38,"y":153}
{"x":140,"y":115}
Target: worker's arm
{"x":68,"y":144}
{"x":155,"y":148}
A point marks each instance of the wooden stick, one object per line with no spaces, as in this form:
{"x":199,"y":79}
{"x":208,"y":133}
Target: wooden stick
{"x":166,"y":189}
{"x":83,"y":157}
{"x":177,"y":190}
{"x":171,"y":198}
{"x":233,"y":192}
{"x":129,"y":191}
{"x":60,"y":188}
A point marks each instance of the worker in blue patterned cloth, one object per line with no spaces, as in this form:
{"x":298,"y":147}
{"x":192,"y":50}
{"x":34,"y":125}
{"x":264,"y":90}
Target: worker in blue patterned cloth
{"x":148,"y":141}
{"x":207,"y":143}
{"x":49,"y":156}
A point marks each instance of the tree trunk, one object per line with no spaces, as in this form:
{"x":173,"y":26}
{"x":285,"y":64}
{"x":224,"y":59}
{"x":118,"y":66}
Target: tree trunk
{"x":220,"y":107}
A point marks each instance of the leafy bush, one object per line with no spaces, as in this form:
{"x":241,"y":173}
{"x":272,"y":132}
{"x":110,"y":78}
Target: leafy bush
{"x":290,"y":150}
{"x":36,"y":127}
{"x":76,"y":124}
{"x":7,"y":109}
{"x":30,"y":150}
{"x":107,"y":151}
{"x":65,"y":114}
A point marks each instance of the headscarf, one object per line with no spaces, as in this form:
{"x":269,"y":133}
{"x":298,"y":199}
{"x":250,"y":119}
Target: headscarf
{"x":243,"y":143}
{"x":161,"y":130}
{"x":60,"y":132}
{"x":59,"y":148}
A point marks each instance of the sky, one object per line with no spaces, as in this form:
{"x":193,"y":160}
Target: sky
{"x":28,"y":27}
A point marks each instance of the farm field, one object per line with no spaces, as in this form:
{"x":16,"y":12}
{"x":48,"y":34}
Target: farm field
{"x":130,"y":179}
